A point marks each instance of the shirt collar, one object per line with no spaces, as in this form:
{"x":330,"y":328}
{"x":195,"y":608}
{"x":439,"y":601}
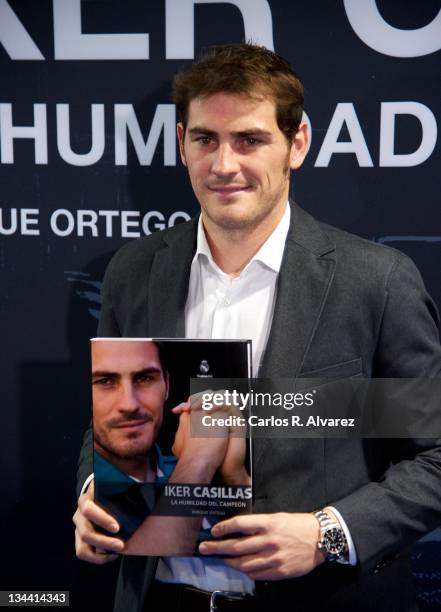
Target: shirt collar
{"x":108,"y":473}
{"x":270,"y":253}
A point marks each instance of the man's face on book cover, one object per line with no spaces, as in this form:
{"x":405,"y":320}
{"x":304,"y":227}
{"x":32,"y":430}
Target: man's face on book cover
{"x":129,"y":388}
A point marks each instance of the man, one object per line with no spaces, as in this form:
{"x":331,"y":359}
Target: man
{"x":316,"y":302}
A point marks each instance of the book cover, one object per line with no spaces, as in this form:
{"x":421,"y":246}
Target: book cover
{"x":171,"y":457}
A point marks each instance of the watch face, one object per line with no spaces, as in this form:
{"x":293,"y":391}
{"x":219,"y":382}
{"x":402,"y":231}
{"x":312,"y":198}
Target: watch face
{"x":334,"y":541}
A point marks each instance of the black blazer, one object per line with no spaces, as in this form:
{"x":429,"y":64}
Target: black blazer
{"x":345,"y":306}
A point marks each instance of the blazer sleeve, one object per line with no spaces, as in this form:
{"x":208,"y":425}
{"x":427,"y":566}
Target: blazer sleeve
{"x":405,"y":503}
{"x":107,"y":324}
{"x":107,"y":327}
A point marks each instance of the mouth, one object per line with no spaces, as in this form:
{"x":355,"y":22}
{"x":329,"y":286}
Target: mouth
{"x":229,"y":190}
{"x":132,"y":425}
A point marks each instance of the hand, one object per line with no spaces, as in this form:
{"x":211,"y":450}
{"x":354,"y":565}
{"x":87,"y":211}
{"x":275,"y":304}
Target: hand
{"x":88,"y":541}
{"x":232,"y":468}
{"x":193,"y":440}
{"x":273,"y":547}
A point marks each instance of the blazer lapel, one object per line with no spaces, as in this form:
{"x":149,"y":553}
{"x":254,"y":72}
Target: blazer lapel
{"x":168,"y":283}
{"x":304,"y":280}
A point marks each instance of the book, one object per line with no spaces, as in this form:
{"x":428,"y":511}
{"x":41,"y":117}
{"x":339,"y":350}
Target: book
{"x":172,"y":453}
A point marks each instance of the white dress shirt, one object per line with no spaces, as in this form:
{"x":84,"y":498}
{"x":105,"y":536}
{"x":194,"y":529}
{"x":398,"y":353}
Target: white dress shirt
{"x":221,"y":307}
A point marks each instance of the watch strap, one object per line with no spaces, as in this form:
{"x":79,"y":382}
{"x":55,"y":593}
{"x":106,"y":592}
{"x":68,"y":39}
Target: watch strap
{"x":327,"y":523}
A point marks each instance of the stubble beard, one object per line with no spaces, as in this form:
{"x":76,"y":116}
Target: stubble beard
{"x":128,"y":450}
{"x":247,"y":222}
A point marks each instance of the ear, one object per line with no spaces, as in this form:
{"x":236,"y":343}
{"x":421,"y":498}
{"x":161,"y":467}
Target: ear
{"x":299,"y":146}
{"x":180,"y":130}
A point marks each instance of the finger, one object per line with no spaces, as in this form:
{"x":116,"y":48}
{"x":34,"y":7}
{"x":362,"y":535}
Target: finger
{"x":102,"y":542}
{"x":182,"y":407}
{"x":87,"y":533}
{"x":236,"y":547}
{"x":252,"y":564}
{"x":87,"y":530}
{"x":95,"y":514}
{"x":218,"y":402}
{"x":87,"y":553}
{"x":196,"y":399}
{"x":90,"y":556}
{"x":247,"y":524}
{"x":204,"y":401}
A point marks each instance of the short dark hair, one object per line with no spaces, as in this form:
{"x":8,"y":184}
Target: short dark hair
{"x":243,"y":68}
{"x":162,"y":354}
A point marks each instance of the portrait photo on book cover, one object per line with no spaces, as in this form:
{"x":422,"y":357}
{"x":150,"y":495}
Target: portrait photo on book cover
{"x":164,"y":481}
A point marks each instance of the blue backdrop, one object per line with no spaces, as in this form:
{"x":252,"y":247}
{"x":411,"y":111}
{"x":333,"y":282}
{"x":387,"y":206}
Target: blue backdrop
{"x":88,"y":160}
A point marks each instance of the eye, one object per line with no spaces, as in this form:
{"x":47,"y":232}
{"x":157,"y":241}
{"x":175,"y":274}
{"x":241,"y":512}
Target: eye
{"x":104,"y":381}
{"x":204,"y":140}
{"x":146,"y":378}
{"x":142,"y":378}
{"x":250,"y":141}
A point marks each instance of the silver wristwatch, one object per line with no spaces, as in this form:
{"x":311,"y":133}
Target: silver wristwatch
{"x":332,"y":538}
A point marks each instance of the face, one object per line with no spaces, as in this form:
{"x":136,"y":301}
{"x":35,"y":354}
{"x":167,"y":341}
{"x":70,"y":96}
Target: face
{"x":239,"y":160}
{"x":129,"y":389}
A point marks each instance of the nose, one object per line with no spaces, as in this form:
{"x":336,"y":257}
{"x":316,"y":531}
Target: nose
{"x":128,"y":401}
{"x":225,"y":162}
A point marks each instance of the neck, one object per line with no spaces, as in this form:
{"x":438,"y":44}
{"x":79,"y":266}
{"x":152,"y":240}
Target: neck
{"x":233,"y":249}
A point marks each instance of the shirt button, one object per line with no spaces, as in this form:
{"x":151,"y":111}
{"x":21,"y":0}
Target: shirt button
{"x":227,"y":301}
